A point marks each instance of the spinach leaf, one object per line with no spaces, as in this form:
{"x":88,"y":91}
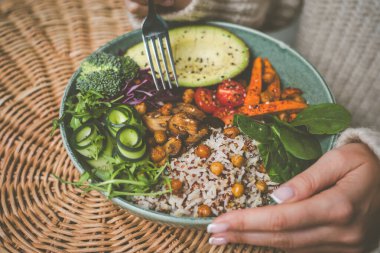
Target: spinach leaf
{"x":323,"y":118}
{"x":296,"y":142}
{"x":278,"y":160}
{"x":285,"y":150}
{"x":296,"y":165}
{"x":264,"y":150}
{"x":275,"y":160}
{"x":273,"y":165}
{"x":275,"y":177}
{"x":254,"y":129}
{"x":282,"y":165}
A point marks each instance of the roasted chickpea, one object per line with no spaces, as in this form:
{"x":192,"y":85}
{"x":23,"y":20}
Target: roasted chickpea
{"x":231,"y":132}
{"x":141,"y":108}
{"x":203,"y":151}
{"x":204,"y":211}
{"x":261,"y":186}
{"x":298,"y":98}
{"x":176,"y":185}
{"x":173,"y":146}
{"x":290,"y":92}
{"x":157,"y":154}
{"x":166,"y":109}
{"x":283,"y":116}
{"x":237,"y":160}
{"x":162,"y":162}
{"x":268,"y":77}
{"x":265,"y":97}
{"x":237,"y":190}
{"x":160,"y":136}
{"x":216,"y":168}
{"x":188,"y":96}
{"x":292,"y":116}
{"x":262,"y":168}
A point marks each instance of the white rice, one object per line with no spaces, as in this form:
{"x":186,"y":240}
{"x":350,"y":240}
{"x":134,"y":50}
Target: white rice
{"x":201,"y":186}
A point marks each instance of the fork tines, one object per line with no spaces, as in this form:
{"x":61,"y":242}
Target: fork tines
{"x":160,"y":56}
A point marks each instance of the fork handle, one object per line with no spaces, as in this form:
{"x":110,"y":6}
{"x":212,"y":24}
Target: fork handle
{"x":151,"y":8}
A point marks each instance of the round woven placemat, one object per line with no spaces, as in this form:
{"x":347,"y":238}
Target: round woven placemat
{"x":41,"y":44}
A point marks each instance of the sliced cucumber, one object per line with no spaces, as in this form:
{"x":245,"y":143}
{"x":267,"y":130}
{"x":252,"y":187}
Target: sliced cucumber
{"x":84,"y":135}
{"x":89,"y":141}
{"x":130,"y":144}
{"x":122,"y":142}
{"x":121,"y":116}
{"x":129,"y":137}
{"x":132,"y":156}
{"x":118,"y":117}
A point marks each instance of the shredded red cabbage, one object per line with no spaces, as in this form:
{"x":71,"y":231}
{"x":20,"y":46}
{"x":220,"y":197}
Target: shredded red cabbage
{"x":142,"y":89}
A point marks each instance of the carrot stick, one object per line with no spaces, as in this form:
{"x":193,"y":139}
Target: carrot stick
{"x":274,"y":89}
{"x":272,"y":107}
{"x":269,"y":72}
{"x":255,"y":84}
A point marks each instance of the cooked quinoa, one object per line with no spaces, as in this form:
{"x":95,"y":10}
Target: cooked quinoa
{"x":201,"y":186}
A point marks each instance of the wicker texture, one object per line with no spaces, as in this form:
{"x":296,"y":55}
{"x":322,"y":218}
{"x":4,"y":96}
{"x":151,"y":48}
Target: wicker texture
{"x":41,"y":44}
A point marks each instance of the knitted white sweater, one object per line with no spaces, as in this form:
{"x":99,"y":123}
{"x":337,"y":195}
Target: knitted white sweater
{"x":341,"y":38}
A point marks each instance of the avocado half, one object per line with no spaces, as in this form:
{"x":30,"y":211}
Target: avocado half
{"x":204,"y":55}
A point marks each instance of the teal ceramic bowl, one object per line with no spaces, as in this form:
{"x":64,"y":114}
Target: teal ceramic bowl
{"x":293,"y":69}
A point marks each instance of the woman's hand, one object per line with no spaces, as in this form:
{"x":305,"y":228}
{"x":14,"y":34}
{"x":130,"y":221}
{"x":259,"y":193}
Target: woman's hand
{"x":139,"y":8}
{"x":334,"y":206}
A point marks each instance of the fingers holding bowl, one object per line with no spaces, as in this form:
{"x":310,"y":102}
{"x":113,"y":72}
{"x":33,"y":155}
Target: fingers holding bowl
{"x":139,"y":8}
{"x":322,"y":238}
{"x":136,"y":8}
{"x":304,"y":214}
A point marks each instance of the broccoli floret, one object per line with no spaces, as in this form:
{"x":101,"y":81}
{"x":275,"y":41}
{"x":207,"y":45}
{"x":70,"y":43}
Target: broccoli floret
{"x":107,"y":82}
{"x":130,"y":67}
{"x":101,"y":61}
{"x":105,"y":73}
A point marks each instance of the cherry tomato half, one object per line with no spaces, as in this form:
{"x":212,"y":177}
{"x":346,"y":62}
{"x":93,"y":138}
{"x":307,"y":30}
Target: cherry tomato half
{"x":226,"y":114}
{"x":231,"y":93}
{"x":204,"y":99}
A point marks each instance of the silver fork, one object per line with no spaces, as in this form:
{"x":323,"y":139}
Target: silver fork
{"x":155,"y":29}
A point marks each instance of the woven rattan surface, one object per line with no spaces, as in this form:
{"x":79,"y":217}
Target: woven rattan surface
{"x":41,"y":44}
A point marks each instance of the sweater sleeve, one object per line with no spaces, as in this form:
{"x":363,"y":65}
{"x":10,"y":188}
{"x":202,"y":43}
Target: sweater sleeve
{"x":251,"y":13}
{"x":341,"y":39}
{"x":361,"y":135}
{"x":366,"y":136}
{"x":246,"y":12}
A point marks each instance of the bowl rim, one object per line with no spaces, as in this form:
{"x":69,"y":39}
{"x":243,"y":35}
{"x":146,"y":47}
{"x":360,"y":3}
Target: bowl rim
{"x":160,"y":216}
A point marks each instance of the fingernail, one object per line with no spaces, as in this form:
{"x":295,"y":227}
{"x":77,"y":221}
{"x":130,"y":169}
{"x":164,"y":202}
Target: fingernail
{"x":217,"y":228}
{"x":282,"y":194}
{"x":217,"y":241}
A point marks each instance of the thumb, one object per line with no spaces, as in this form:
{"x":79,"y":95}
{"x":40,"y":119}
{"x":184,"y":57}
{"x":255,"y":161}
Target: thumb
{"x":329,"y":169}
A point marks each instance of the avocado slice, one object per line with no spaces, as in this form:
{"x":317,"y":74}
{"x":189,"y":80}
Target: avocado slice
{"x":204,"y":55}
